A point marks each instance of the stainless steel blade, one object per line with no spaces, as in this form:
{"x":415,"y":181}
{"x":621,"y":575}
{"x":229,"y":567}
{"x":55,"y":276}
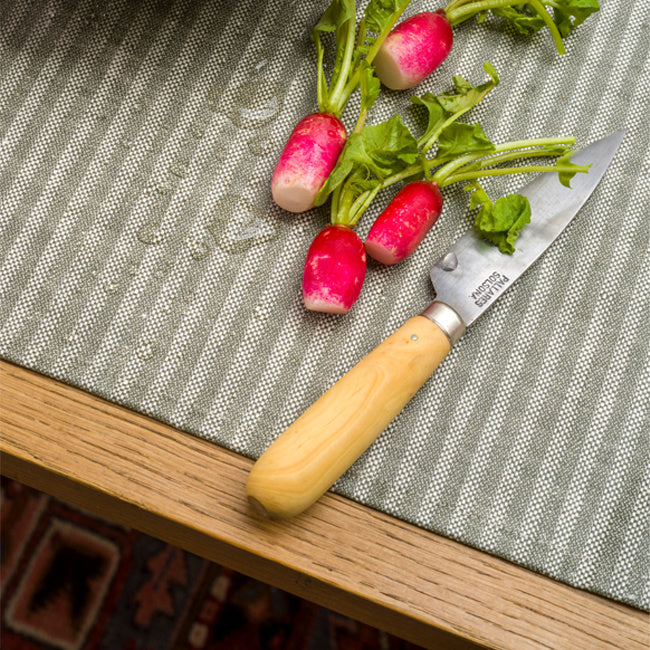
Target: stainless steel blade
{"x":473,"y":273}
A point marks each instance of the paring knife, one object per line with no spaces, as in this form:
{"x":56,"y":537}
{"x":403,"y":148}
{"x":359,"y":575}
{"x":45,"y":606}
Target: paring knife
{"x":308,"y":458}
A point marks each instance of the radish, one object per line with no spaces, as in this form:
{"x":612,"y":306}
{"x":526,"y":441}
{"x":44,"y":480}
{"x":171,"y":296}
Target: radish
{"x":409,"y":216}
{"x":402,"y":226}
{"x":418,"y":45}
{"x":414,"y":49}
{"x":315,"y":144}
{"x":307,"y":160}
{"x":334,"y":270}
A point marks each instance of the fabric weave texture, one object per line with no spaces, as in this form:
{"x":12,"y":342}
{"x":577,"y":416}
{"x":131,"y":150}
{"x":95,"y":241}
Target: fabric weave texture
{"x":142,"y":259}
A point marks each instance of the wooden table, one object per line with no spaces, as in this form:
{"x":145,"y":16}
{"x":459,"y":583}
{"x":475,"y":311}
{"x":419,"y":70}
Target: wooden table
{"x":189,"y":492}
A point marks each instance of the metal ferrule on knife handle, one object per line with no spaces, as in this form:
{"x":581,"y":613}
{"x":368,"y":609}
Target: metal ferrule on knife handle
{"x":309,"y":456}
{"x":446,"y":319}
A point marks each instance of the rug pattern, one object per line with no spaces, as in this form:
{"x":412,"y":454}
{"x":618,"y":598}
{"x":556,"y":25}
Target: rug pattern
{"x":70,"y":580}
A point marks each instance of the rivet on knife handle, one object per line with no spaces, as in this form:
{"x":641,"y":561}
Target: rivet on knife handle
{"x":308,"y":458}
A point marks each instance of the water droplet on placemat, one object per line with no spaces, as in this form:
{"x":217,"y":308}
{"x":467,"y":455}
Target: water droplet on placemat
{"x":179,"y":169}
{"x":255,"y":104}
{"x":198,"y":249}
{"x":238,"y":225}
{"x":260,"y":145}
{"x":197,"y":131}
{"x":150,"y":233}
{"x":146,"y":350}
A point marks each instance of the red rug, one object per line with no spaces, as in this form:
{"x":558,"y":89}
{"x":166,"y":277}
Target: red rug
{"x":70,"y":580}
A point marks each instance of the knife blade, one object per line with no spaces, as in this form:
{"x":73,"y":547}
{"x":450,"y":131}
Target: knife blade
{"x":312,"y":453}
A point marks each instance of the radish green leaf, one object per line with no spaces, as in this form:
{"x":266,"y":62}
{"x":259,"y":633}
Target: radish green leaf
{"x":459,"y":139}
{"x":502,"y":221}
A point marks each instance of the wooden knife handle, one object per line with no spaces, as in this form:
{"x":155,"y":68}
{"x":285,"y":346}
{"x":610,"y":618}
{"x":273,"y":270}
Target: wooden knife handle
{"x":309,"y":456}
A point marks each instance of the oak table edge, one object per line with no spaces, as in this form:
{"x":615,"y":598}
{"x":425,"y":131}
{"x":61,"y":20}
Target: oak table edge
{"x":57,"y":438}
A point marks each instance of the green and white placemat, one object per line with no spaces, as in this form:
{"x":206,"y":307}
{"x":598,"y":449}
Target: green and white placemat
{"x":142,"y":259}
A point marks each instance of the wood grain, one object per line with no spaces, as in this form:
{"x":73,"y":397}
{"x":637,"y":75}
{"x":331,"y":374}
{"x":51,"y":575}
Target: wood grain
{"x":306,"y":459}
{"x":190,"y":492}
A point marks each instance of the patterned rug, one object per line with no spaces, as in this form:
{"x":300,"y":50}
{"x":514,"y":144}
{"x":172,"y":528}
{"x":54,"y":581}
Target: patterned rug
{"x":70,"y":580}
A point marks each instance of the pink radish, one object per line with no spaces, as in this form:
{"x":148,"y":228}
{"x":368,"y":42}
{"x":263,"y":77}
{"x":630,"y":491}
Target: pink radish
{"x":306,"y":161}
{"x":414,"y":49}
{"x":418,"y":45}
{"x":334,"y":270}
{"x":400,"y":228}
{"x":317,"y":141}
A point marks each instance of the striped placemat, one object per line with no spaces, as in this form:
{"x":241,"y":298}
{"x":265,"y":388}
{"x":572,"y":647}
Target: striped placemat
{"x":143,"y":260}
